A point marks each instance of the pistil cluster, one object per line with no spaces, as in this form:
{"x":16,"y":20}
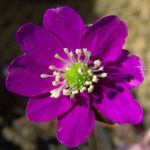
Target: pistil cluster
{"x":76,"y":77}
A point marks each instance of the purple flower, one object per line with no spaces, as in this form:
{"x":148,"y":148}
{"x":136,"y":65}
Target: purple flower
{"x":73,"y":72}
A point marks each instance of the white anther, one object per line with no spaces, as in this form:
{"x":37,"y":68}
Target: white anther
{"x":72,"y":96}
{"x":71,"y":54}
{"x":43,"y":75}
{"x":95,"y":79}
{"x":99,"y":69}
{"x":57,"y":78}
{"x":66,"y":50}
{"x":75,"y":92}
{"x":57,"y":56}
{"x":87,"y":55}
{"x":102,"y":75}
{"x":90,"y":72}
{"x":55,"y":93}
{"x":85,"y":50}
{"x":82,"y":89}
{"x":60,"y":58}
{"x":52,"y":67}
{"x":72,"y":57}
{"x":66,"y":92}
{"x":56,"y":73}
{"x":88,"y":83}
{"x":55,"y":83}
{"x":80,"y":70}
{"x":78,"y":51}
{"x":97,"y":63}
{"x":91,"y":88}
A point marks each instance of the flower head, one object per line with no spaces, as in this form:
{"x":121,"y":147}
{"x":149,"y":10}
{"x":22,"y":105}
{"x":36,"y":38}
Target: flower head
{"x":73,"y":72}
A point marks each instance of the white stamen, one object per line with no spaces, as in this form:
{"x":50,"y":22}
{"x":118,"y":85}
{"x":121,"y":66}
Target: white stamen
{"x":57,"y":78}
{"x":97,"y":63}
{"x":85,"y":50}
{"x":72,"y":56}
{"x":91,"y":88}
{"x":60,"y":58}
{"x":58,"y":90}
{"x":55,"y":83}
{"x":102,"y":75}
{"x":66,"y":50}
{"x":82,"y":89}
{"x":99,"y":69}
{"x":87,"y":55}
{"x":66,"y":92}
{"x":88,"y":83}
{"x":53,"y":67}
{"x":55,"y":93}
{"x":56,"y":73}
{"x":90,"y":72}
{"x":75,"y":92}
{"x":95,"y":79}
{"x":78,"y":52}
{"x":43,"y":75}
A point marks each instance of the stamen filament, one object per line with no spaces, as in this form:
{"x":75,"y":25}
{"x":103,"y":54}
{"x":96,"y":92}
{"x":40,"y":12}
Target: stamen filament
{"x":102,"y":75}
{"x":56,"y":92}
{"x":72,"y":57}
{"x":97,"y":63}
{"x":88,"y":57}
{"x":44,"y":75}
{"x":78,"y":52}
{"x":59,"y":57}
{"x":91,"y":88}
{"x":66,"y":92}
{"x":69,"y":54}
{"x":53,"y":68}
{"x":95,"y":79}
{"x":100,"y":69}
{"x":82,"y":89}
{"x":90,"y":72}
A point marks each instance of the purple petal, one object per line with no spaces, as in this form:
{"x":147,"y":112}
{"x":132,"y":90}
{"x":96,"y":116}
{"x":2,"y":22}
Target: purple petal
{"x":76,"y":125}
{"x":40,"y":44}
{"x":24,"y":77}
{"x":117,"y":104}
{"x":105,"y":38}
{"x":45,"y":108}
{"x":66,"y":24}
{"x":128,"y":69}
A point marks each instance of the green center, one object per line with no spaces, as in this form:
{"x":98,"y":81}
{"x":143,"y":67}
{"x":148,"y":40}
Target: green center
{"x":74,"y":78}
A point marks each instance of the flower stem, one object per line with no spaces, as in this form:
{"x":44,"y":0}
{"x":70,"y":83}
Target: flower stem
{"x":92,"y":141}
{"x":99,"y":139}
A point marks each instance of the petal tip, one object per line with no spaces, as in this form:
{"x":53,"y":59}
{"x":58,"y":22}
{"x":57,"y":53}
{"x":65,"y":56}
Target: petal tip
{"x":23,"y":31}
